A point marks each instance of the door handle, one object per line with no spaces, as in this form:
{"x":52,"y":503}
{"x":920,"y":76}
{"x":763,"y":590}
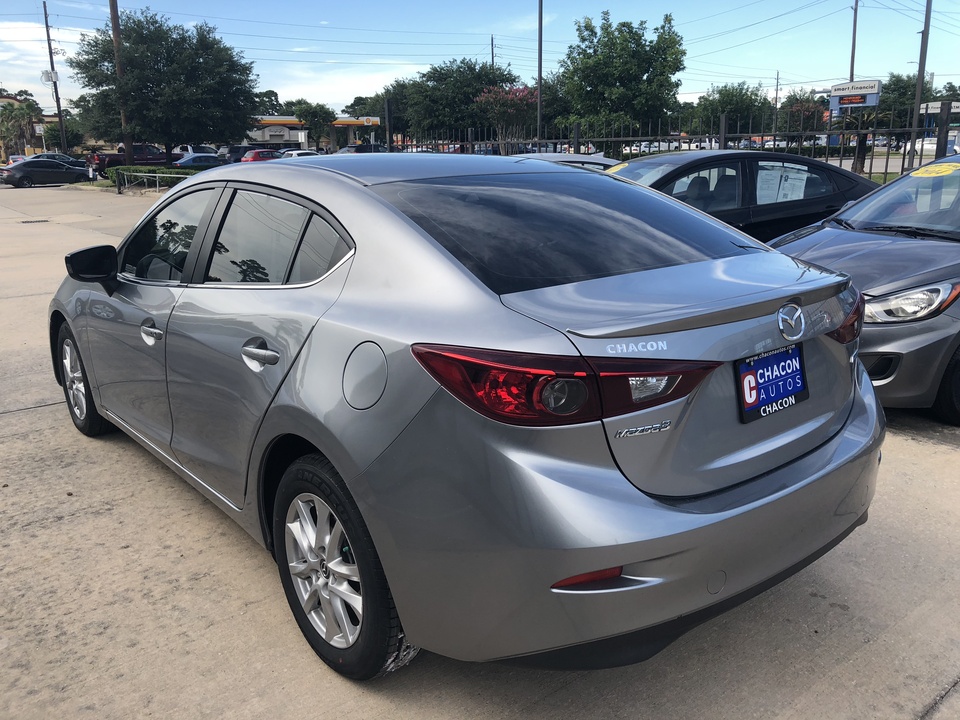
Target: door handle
{"x":150,"y":334}
{"x":261,"y":355}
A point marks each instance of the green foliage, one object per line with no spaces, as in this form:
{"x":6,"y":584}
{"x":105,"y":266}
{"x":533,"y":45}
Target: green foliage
{"x":268,"y":103}
{"x":898,"y":95}
{"x":949,"y":91}
{"x":316,"y":116}
{"x":616,"y":74}
{"x":171,"y":175}
{"x":16,"y":124}
{"x":442,"y":98}
{"x":748,"y":108}
{"x":179,"y":84}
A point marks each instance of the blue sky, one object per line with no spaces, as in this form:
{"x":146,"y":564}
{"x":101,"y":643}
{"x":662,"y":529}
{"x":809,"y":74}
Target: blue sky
{"x":331,"y":52}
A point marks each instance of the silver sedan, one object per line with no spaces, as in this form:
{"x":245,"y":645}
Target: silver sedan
{"x":496,"y":408}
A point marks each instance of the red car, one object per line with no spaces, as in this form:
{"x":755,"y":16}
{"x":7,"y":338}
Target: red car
{"x":257,"y":155}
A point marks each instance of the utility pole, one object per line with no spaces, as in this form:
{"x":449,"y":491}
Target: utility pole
{"x":921,"y":77}
{"x":491,"y":50}
{"x":53,"y":78}
{"x":853,"y":43}
{"x":540,"y":72}
{"x":127,"y":139}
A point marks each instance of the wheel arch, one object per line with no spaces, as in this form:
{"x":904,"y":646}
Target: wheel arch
{"x":57,"y":320}
{"x":282,"y":452}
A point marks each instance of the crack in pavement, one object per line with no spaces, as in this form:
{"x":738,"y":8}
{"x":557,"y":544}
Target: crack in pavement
{"x":937,"y":702}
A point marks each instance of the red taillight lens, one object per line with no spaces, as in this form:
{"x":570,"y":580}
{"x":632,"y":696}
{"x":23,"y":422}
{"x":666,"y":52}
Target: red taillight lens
{"x":851,"y":326}
{"x":516,"y":388}
{"x":524,"y":389}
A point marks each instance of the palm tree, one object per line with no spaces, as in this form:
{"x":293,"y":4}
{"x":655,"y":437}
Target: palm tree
{"x":16,"y":125}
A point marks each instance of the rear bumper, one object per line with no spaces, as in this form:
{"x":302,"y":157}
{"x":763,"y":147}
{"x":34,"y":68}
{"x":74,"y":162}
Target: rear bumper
{"x":473,"y":535}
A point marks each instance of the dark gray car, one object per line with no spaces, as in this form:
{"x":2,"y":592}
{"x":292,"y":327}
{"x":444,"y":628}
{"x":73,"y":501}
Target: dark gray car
{"x":901,"y":245}
{"x":30,"y":172}
{"x":492,"y":407}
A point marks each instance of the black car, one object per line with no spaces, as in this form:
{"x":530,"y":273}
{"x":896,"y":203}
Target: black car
{"x":765,"y":194}
{"x":364,"y":148}
{"x":901,"y":246}
{"x":28,"y":173}
{"x":60,"y":157}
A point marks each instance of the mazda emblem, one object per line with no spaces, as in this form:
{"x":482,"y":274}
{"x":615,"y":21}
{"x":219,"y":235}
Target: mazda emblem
{"x":790,"y":321}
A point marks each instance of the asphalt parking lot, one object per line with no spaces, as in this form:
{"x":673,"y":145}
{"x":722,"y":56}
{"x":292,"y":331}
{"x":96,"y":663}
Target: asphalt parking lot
{"x":125,"y":594}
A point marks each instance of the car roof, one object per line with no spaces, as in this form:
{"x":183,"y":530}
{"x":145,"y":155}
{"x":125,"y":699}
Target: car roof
{"x":377,"y":168}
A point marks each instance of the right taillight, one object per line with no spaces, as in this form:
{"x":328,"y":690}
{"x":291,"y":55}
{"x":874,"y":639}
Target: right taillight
{"x":851,"y":326}
{"x":543,"y":390}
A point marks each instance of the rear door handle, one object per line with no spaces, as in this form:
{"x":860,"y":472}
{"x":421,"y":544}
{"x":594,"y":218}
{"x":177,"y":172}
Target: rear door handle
{"x":261,"y":355}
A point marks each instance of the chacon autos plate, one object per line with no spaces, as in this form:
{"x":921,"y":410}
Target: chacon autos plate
{"x":771,"y":382}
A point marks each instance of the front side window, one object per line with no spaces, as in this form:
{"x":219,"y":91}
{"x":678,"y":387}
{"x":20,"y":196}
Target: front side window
{"x":159,"y":249}
{"x":709,"y":189}
{"x":257,"y":239}
{"x":779,"y":182}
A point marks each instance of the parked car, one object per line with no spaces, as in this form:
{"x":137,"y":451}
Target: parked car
{"x":260,"y":155}
{"x":15,"y":158}
{"x":199,"y":161}
{"x":901,"y":246}
{"x":659,"y":146}
{"x":622,"y":418}
{"x":30,"y":172}
{"x":594,"y":162}
{"x":233,"y":153}
{"x":764,"y":194}
{"x":363,"y":148}
{"x":60,"y":157}
{"x":195,"y":149}
{"x":299,"y":153}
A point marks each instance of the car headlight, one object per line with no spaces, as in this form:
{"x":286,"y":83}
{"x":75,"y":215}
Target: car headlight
{"x":911,"y":304}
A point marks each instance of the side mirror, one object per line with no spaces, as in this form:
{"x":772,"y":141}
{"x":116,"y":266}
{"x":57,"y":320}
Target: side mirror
{"x":94,"y":264}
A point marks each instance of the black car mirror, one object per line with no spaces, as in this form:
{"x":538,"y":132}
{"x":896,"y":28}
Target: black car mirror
{"x":94,"y":264}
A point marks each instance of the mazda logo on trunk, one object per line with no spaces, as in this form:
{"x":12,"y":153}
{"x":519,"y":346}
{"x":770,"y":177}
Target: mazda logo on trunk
{"x":791,"y":322}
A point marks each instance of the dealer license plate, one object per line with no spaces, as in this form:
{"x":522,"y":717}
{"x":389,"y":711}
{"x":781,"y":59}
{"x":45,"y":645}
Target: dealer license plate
{"x":771,"y":382}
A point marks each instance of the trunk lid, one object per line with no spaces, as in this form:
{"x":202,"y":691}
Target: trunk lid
{"x":722,"y":311}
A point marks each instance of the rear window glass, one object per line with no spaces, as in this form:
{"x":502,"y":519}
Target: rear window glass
{"x":520,"y":232}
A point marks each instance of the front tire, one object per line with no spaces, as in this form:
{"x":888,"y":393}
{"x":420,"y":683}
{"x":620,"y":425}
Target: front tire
{"x":947,"y":404}
{"x":25,"y":182}
{"x":332,"y":576}
{"x":76,"y":387}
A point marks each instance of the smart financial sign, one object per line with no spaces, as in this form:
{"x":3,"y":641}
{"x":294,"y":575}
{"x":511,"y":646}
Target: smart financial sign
{"x":860,"y":93}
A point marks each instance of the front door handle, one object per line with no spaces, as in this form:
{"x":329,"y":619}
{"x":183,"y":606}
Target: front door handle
{"x":150,"y":334}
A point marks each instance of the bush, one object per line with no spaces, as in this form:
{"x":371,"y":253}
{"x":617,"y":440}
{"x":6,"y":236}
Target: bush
{"x":169,"y":176}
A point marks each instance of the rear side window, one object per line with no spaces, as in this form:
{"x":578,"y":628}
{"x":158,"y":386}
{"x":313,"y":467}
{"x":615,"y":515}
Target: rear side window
{"x":525,"y":231}
{"x":257,"y":239}
{"x":779,"y":182}
{"x":321,"y":249}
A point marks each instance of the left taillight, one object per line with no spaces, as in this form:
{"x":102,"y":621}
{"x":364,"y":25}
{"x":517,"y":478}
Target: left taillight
{"x":545,"y":390}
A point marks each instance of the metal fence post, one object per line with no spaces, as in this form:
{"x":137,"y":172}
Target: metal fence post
{"x":723,"y":131}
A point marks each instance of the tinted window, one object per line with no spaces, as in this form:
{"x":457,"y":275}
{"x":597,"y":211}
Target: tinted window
{"x":159,"y":249}
{"x":518,"y":232}
{"x":256,"y":240}
{"x":321,"y":249}
{"x":709,"y":189}
{"x":782,"y":182}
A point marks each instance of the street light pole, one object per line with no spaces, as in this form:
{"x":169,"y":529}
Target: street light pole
{"x":539,"y":72}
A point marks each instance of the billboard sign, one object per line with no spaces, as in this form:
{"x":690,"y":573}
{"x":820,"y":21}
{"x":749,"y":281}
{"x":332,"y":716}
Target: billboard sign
{"x":859,"y":93}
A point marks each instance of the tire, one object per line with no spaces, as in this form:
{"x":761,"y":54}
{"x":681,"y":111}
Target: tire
{"x":947,"y":404}
{"x":335,"y":584}
{"x":76,"y":388}
{"x":25,"y":182}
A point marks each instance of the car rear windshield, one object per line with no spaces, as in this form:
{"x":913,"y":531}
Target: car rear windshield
{"x":521,"y":232}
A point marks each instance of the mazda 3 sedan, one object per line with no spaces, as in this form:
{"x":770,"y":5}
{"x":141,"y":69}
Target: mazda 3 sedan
{"x":497,"y":408}
{"x":901,"y":245}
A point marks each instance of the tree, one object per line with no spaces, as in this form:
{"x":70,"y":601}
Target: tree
{"x":897,"y":98}
{"x":508,"y":110}
{"x":801,"y":111}
{"x":949,"y":91}
{"x":16,"y":125}
{"x":442,"y":98}
{"x":317,"y":117}
{"x":179,"y":84}
{"x":268,"y":103}
{"x":616,"y":74}
{"x":748,"y":109}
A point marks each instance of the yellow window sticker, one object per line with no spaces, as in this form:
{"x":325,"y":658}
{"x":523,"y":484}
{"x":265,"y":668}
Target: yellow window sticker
{"x":937,"y":170}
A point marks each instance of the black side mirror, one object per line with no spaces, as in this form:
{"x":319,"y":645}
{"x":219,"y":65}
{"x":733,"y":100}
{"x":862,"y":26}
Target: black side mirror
{"x":94,"y":264}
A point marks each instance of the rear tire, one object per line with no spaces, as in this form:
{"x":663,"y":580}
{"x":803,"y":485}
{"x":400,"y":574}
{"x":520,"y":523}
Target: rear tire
{"x":947,"y":404}
{"x":332,"y":576}
{"x":76,"y":387}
